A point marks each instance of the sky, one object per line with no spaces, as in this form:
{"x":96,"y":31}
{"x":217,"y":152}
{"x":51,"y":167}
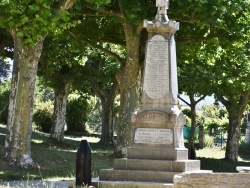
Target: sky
{"x":208,"y":100}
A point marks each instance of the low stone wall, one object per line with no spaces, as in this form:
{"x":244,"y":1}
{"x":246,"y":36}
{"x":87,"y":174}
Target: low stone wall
{"x":212,"y":180}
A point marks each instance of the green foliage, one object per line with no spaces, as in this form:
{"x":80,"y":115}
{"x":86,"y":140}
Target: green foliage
{"x":95,"y":117}
{"x":43,"y":93}
{"x":43,"y":116}
{"x":4,"y":70}
{"x":216,"y":118}
{"x":4,"y":101}
{"x":34,"y":19}
{"x":77,"y":111}
{"x":187,"y":112}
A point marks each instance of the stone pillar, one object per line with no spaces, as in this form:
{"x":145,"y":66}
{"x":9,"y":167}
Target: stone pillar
{"x":159,"y":120}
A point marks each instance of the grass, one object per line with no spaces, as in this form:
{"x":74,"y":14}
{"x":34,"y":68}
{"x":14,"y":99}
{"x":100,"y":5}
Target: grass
{"x":213,"y":159}
{"x":57,"y":160}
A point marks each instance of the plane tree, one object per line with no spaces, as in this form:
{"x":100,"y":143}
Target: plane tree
{"x":103,"y":83}
{"x":230,"y":65}
{"x":28,"y":22}
{"x":103,"y":36}
{"x":124,"y":28}
{"x":59,"y":66}
{"x":214,"y":49}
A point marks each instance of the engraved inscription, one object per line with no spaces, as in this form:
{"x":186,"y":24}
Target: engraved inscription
{"x":153,"y":117}
{"x":153,"y":136}
{"x":156,"y":76}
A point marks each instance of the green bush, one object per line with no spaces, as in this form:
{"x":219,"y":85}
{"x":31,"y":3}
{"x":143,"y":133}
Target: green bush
{"x":4,"y":98}
{"x":76,"y":114}
{"x":43,"y":116}
{"x":4,"y":101}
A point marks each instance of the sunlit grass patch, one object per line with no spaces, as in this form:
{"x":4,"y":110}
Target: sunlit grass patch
{"x":54,"y":159}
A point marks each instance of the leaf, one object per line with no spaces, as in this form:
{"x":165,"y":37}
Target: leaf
{"x":20,"y":34}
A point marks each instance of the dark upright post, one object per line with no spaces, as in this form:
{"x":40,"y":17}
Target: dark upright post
{"x":83,"y":164}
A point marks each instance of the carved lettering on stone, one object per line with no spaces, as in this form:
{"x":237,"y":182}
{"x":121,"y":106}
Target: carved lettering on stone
{"x":156,"y":78}
{"x":153,"y":117}
{"x":153,"y":136}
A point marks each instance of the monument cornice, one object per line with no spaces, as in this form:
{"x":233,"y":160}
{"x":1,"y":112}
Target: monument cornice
{"x":163,"y":27}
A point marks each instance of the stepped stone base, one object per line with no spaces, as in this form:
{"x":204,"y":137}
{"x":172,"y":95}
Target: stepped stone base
{"x":137,"y":175}
{"x":152,"y":165}
{"x":157,"y":153}
{"x":128,"y":184}
{"x":156,"y":165}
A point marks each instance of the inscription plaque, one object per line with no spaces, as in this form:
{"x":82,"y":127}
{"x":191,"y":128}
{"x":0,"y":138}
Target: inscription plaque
{"x":153,"y":136}
{"x":153,"y":117}
{"x":156,"y":77}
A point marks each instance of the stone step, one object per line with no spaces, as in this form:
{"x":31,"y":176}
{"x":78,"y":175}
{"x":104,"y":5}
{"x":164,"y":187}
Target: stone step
{"x":157,"y":153}
{"x":129,"y":184}
{"x":156,"y":165}
{"x":136,"y":175}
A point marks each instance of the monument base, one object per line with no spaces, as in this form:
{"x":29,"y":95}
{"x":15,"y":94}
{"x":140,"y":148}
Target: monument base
{"x":150,"y":163}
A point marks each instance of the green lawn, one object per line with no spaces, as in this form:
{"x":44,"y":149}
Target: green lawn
{"x":57,"y":160}
{"x":213,"y":159}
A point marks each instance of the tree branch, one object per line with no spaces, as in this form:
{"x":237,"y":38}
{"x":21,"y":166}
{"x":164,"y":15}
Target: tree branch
{"x":106,"y":51}
{"x":102,"y":49}
{"x":224,"y":101}
{"x":66,"y":4}
{"x":183,"y":100}
{"x":245,"y":98}
{"x":107,"y":13}
{"x":200,"y":99}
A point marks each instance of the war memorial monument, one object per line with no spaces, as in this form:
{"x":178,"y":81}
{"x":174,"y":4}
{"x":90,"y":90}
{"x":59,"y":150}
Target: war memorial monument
{"x":157,"y":157}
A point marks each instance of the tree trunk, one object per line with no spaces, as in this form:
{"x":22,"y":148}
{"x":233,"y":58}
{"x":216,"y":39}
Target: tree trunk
{"x":201,"y":136}
{"x":59,"y":114}
{"x":233,"y":137}
{"x":107,"y":135}
{"x":20,"y":114}
{"x":191,"y":149}
{"x":128,"y":80}
{"x":235,"y":106}
{"x":107,"y":99}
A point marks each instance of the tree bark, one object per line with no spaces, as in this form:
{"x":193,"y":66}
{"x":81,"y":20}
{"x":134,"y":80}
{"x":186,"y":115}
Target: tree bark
{"x":233,"y":137}
{"x":107,"y":135}
{"x":128,"y":80}
{"x":20,"y":114}
{"x":59,"y":114}
{"x":191,"y":149}
{"x":107,"y":100}
{"x":235,"y":106}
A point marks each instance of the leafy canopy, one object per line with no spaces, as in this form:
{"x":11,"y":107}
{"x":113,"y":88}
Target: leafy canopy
{"x":32,"y":19}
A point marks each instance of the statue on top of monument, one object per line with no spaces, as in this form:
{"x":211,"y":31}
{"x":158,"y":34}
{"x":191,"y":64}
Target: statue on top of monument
{"x":162,"y":6}
{"x":162,"y":3}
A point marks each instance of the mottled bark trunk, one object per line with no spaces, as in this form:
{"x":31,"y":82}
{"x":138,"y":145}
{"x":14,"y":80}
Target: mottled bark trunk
{"x":20,"y":114}
{"x":107,"y":135}
{"x":236,"y":106}
{"x":233,"y":137}
{"x":129,"y":84}
{"x":107,"y":97}
{"x":59,"y":114}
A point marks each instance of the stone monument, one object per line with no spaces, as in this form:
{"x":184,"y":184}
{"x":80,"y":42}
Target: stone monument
{"x":158,"y":151}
